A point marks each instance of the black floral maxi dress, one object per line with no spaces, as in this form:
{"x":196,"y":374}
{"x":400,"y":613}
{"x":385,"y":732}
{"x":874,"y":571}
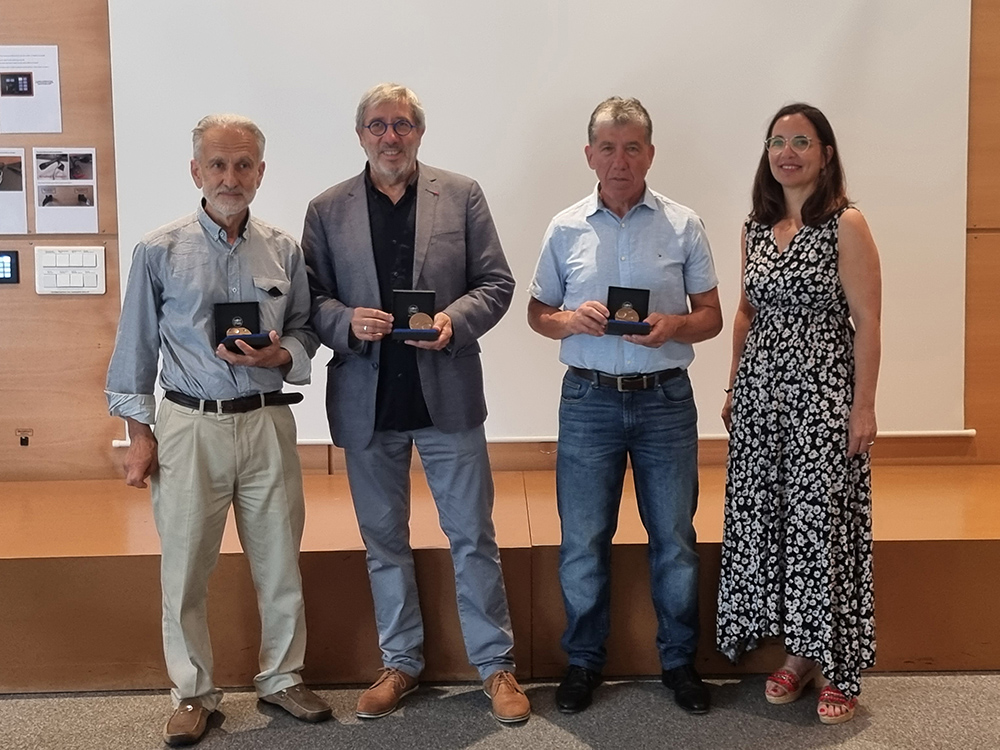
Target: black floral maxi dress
{"x":797,"y":543}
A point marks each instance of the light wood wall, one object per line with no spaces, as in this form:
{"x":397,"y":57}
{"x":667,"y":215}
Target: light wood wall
{"x":54,"y":350}
{"x":982,"y":305}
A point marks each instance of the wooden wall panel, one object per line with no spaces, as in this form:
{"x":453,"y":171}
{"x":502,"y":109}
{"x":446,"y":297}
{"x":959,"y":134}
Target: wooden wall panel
{"x":80,"y":30}
{"x":984,"y":116}
{"x":982,"y":311}
{"x":982,"y":343}
{"x":54,"y":350}
{"x":935,"y":605}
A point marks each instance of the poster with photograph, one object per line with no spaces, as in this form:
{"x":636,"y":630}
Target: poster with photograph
{"x":65,"y":190}
{"x":13,"y":192}
{"x":29,"y":89}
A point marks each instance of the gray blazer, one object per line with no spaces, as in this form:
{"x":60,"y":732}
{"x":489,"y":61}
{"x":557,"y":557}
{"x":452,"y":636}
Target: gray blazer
{"x":457,"y":254}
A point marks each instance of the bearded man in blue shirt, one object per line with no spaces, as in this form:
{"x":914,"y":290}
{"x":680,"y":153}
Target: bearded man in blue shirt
{"x":224,"y":434}
{"x":626,"y":396}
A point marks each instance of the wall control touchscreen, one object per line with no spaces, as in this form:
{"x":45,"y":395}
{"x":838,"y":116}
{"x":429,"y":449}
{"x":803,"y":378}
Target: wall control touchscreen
{"x":9,"y":273}
{"x":17,"y":84}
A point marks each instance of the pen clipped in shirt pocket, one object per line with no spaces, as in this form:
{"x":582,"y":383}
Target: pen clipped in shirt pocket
{"x":272,"y":295}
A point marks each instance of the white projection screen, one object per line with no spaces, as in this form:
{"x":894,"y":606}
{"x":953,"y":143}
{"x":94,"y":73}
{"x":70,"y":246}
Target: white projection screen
{"x":508,"y":88}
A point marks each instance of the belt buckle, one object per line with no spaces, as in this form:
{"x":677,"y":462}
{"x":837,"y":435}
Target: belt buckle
{"x":633,"y":383}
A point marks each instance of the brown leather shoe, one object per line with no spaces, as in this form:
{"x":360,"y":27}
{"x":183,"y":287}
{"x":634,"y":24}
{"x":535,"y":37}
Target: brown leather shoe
{"x":385,"y":693}
{"x":186,"y":724}
{"x":510,"y":704}
{"x":300,"y":702}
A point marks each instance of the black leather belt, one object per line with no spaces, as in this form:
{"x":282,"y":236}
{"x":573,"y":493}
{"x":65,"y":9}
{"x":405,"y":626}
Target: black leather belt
{"x":625,"y":383}
{"x":235,"y":405}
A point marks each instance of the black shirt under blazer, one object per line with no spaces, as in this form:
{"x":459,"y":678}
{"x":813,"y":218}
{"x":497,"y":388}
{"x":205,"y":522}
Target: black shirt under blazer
{"x":457,"y":254}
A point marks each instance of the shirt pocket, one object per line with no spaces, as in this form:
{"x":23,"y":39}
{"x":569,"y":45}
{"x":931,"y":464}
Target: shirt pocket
{"x":665,"y":280}
{"x":272,"y":299}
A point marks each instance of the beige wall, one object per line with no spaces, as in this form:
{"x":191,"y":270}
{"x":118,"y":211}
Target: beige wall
{"x":54,"y":350}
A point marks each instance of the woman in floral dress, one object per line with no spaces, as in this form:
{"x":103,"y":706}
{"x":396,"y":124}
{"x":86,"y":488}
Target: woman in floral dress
{"x":796,"y":554}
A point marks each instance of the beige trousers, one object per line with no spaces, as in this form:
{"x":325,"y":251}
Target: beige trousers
{"x":207,"y":463}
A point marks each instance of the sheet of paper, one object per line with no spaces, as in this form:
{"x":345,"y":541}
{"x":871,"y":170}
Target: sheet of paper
{"x":29,"y":89}
{"x":13,"y":192}
{"x":65,"y":190}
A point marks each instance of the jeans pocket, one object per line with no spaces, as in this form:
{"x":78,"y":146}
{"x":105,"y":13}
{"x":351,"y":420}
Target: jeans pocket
{"x":574,"y":389}
{"x":677,"y":390}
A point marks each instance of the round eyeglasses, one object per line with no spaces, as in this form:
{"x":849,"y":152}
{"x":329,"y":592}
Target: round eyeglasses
{"x":799,"y":143}
{"x":378,"y":128}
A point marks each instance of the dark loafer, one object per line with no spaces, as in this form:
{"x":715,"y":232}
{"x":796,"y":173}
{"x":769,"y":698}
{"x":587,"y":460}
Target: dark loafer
{"x":575,"y":691}
{"x":300,"y":702}
{"x":690,"y":692}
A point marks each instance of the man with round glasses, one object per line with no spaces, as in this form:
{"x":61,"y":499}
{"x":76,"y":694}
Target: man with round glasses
{"x":377,"y":128}
{"x":402,"y":225}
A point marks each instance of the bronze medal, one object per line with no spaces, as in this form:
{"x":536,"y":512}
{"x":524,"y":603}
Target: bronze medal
{"x":236,"y":327}
{"x":627,"y":312}
{"x":421,"y":321}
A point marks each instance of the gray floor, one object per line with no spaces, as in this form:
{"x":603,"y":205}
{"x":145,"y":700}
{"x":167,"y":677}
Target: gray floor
{"x":926,"y":711}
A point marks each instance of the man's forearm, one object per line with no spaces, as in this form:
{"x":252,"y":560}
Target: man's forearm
{"x":698,"y":325}
{"x":139,"y":430}
{"x":549,"y":321}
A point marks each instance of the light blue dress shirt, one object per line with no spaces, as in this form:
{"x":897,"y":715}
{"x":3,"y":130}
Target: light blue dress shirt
{"x":179,"y":272}
{"x":659,"y":245}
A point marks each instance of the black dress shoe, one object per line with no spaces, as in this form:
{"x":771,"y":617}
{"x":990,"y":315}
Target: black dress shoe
{"x":690,"y":692}
{"x":576,"y":689}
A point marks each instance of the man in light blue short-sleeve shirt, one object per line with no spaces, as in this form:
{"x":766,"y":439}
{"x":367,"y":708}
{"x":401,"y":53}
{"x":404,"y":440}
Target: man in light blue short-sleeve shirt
{"x":626,"y":397}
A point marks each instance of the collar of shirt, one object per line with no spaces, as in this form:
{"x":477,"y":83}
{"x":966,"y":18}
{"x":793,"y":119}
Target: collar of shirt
{"x":214,"y":230}
{"x":595,"y":204}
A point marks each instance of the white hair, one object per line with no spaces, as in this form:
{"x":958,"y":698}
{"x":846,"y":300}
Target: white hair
{"x":237,"y":122}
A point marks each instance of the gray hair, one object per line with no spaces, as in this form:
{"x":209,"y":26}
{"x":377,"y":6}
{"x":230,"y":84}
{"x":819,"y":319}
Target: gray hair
{"x":620,"y":112}
{"x":236,"y":122}
{"x":389,"y":92}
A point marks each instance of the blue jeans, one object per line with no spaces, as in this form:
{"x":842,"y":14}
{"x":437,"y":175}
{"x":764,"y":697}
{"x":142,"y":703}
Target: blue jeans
{"x":598,"y":428}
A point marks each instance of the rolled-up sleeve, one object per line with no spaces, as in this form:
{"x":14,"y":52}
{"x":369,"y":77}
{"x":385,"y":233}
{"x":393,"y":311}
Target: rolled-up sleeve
{"x":133,"y":368}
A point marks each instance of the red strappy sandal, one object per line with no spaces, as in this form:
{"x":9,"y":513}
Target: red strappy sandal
{"x":831,"y":696}
{"x":791,"y":682}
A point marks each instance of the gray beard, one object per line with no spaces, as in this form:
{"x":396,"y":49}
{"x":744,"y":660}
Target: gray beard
{"x":392,"y":176}
{"x":227,"y":210}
